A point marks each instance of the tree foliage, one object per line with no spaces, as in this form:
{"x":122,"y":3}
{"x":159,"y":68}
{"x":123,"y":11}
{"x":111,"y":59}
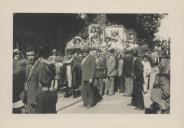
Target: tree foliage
{"x":57,"y":29}
{"x":149,"y":24}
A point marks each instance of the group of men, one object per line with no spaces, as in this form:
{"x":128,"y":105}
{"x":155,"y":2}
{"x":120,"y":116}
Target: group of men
{"x":95,"y":74}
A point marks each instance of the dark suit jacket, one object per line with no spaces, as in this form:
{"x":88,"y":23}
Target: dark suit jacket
{"x":138,"y":70}
{"x":40,"y":75}
{"x":88,"y":68}
{"x":128,"y":65}
{"x":76,"y":71}
{"x":100,"y":68}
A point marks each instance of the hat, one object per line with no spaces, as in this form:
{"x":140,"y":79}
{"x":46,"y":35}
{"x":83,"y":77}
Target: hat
{"x":98,"y":50}
{"x":107,"y":52}
{"x":123,"y":51}
{"x":126,"y":51}
{"x":134,"y":52}
{"x":78,"y":37}
{"x":77,"y":50}
{"x":118,"y":50}
{"x":85,"y":49}
{"x":111,"y":50}
{"x":15,"y":51}
{"x":93,"y":49}
{"x":165,"y":55}
{"x":144,"y":56}
{"x":107,"y":38}
{"x":30,"y":48}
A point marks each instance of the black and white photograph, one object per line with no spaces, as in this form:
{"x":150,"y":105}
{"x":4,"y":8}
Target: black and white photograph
{"x":91,"y":63}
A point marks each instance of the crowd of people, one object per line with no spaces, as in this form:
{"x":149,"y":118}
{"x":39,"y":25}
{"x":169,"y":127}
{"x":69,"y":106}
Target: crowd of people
{"x":95,"y":73}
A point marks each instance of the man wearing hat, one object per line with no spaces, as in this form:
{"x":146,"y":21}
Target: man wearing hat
{"x":88,"y":73}
{"x":127,"y":72}
{"x":111,"y":73}
{"x":16,"y":55}
{"x":77,"y":41}
{"x":138,"y":81}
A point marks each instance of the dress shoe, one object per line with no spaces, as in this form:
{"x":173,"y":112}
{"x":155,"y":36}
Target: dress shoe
{"x":121,"y":91}
{"x":142,"y":108}
{"x":74,"y":96}
{"x":67,"y":95}
{"x":126,"y":95}
{"x":139,"y":108}
{"x":84,"y":105}
{"x":130,"y":104}
{"x":89,"y":106}
{"x":110,"y":94}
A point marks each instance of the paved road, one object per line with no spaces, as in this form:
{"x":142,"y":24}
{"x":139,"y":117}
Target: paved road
{"x":116,"y":104}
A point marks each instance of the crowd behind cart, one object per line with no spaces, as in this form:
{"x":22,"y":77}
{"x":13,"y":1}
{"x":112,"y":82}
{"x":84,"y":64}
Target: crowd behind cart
{"x":127,"y":71}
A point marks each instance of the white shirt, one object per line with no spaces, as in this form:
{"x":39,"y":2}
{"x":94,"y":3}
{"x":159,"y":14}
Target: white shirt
{"x":147,"y":67}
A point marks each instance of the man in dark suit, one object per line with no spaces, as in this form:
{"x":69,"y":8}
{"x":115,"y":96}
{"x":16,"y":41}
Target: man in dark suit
{"x":138,"y":81}
{"x":127,"y":72}
{"x":39,"y":78}
{"x":88,"y":73}
{"x":76,"y":72}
